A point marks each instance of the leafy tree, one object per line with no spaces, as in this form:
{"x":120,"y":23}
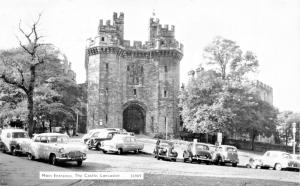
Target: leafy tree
{"x":222,"y":99}
{"x":286,"y":120}
{"x":228,"y":59}
{"x":21,"y":65}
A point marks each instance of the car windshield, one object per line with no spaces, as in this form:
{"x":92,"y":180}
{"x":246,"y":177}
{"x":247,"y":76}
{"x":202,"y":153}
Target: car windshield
{"x":201,"y":147}
{"x":19,"y":135}
{"x":287,"y":156}
{"x":58,"y":139}
{"x":231,"y":149}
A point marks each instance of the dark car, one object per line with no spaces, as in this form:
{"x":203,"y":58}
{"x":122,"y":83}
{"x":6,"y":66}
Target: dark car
{"x":198,"y":152}
{"x":165,"y":150}
{"x":95,"y":142}
{"x":226,"y":154}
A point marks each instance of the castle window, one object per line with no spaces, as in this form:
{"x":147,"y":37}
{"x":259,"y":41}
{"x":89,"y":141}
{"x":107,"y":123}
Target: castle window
{"x":106,"y":67}
{"x":142,"y":69}
{"x":102,"y":38}
{"x":152,"y":123}
{"x":106,"y":118}
{"x":137,"y":80}
{"x":166,"y":68}
{"x":162,"y":42}
{"x":134,"y":92}
{"x":106,"y":91}
{"x":165,"y":93}
{"x":128,"y":68}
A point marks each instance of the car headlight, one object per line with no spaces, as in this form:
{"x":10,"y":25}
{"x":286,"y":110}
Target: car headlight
{"x":61,"y":150}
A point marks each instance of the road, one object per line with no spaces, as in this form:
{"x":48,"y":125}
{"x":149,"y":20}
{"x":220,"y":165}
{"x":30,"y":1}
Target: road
{"x":16,"y":171}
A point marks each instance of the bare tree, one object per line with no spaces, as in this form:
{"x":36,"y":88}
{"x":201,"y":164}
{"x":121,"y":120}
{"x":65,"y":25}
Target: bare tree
{"x":21,"y":78}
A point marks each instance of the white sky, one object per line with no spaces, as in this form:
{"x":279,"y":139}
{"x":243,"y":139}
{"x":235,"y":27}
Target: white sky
{"x":269,"y":28}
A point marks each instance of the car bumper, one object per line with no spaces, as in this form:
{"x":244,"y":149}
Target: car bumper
{"x":66,"y":157}
{"x":201,"y":158}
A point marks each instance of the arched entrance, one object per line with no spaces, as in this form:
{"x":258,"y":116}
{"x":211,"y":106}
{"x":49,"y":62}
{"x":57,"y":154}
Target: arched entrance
{"x":134,"y":118}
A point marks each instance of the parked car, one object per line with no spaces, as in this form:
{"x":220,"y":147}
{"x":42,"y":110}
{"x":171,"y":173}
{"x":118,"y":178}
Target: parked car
{"x":95,"y":142}
{"x":254,"y":163}
{"x":197,"y":152}
{"x":165,"y":150}
{"x":295,"y":162}
{"x":279,"y":160}
{"x":55,"y":148}
{"x":226,"y":154}
{"x":121,"y":143}
{"x":92,"y":133}
{"x":12,"y":140}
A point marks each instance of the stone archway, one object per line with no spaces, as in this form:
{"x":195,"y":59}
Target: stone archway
{"x":134,"y":117}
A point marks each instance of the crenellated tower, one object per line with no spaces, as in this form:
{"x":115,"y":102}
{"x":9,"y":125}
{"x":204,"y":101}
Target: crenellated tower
{"x":133,"y":85}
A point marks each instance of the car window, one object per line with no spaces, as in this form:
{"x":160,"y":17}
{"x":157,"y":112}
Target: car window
{"x":95,"y":134}
{"x":287,"y":156}
{"x":19,"y":135}
{"x":37,"y":139}
{"x":274,"y":155}
{"x":201,"y":147}
{"x":231,"y":149}
{"x":267,"y":154}
{"x":8,"y":135}
{"x":133,"y":140}
{"x":44,"y":139}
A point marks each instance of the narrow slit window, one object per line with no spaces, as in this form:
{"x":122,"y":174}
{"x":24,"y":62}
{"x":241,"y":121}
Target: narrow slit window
{"x":106,"y":67}
{"x":166,"y":69}
{"x":134,"y":92}
{"x":165,"y":93}
{"x":106,"y":91}
{"x":106,"y":118}
{"x":102,"y":38}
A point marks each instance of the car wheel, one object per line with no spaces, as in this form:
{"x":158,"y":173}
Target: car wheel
{"x":248,"y":166}
{"x":120,"y":151}
{"x":79,"y":163}
{"x":104,"y":151}
{"x":98,"y":147}
{"x":257,"y":167}
{"x":158,"y":158}
{"x":190,"y":159}
{"x":13,"y":151}
{"x":52,"y":159}
{"x":30,"y":156}
{"x":207,"y":162}
{"x":234,"y":164}
{"x":278,"y":166}
{"x":174,"y":159}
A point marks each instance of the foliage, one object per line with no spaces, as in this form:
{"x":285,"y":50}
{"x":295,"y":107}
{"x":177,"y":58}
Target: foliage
{"x":228,"y":59}
{"x":223,"y":99}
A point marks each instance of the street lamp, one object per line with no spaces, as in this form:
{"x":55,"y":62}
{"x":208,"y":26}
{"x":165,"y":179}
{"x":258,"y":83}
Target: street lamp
{"x":294,"y":138}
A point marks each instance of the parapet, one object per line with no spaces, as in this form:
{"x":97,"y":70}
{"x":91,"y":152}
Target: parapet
{"x":261,"y":85}
{"x":157,"y":30}
{"x":108,"y":27}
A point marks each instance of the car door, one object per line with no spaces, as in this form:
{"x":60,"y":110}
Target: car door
{"x":42,"y":147}
{"x":267,"y":159}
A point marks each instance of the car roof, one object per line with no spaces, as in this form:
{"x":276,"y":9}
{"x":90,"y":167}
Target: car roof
{"x":277,"y":152}
{"x":51,"y":134}
{"x":13,"y":130}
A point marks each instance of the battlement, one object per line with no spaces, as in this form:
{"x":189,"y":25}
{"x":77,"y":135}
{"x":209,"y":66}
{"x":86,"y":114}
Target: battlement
{"x":116,"y":28}
{"x":263,"y":86}
{"x":157,"y":30}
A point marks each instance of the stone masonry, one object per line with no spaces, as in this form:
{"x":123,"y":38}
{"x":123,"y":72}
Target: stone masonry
{"x":133,"y":86}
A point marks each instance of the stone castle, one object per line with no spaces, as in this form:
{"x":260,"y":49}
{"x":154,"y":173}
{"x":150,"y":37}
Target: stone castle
{"x":133,"y":86}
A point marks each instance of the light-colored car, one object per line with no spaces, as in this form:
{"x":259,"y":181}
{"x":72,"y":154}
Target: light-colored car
{"x":121,"y":143}
{"x":225,"y":154}
{"x":55,"y":147}
{"x":12,"y":140}
{"x":278,"y":160}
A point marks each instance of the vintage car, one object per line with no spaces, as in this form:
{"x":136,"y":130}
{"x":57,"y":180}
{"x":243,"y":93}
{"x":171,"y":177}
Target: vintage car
{"x":95,"y":142}
{"x":225,"y":154}
{"x":279,"y":160}
{"x":92,"y":133}
{"x":121,"y":143}
{"x":55,"y":148}
{"x":12,"y":140}
{"x":165,"y":150}
{"x":197,"y":152}
{"x":254,"y":163}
